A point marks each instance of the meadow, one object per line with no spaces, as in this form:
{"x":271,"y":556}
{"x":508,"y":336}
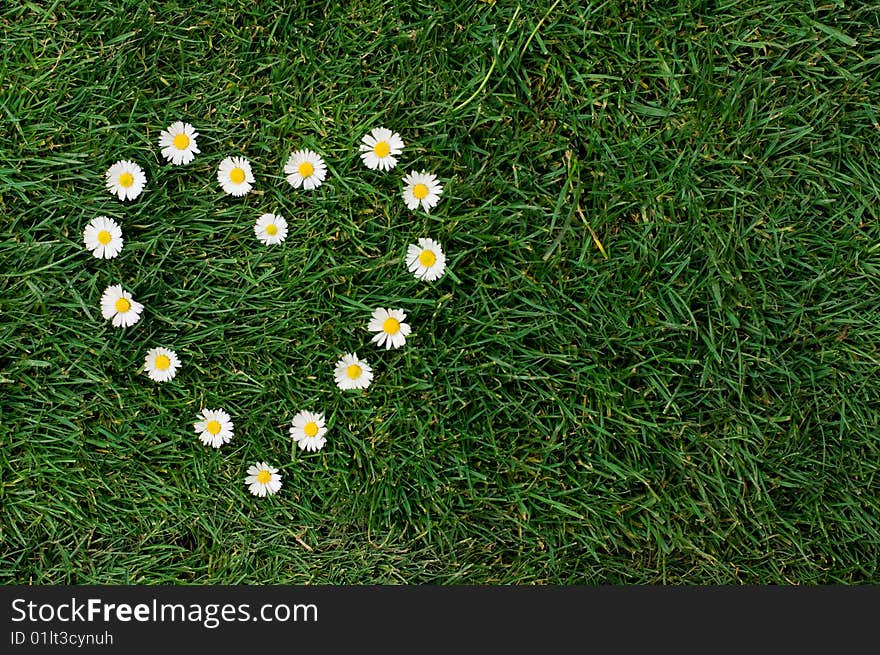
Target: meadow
{"x":653,"y":358}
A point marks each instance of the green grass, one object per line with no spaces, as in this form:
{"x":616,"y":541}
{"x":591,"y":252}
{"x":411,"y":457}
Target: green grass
{"x":701,"y":405}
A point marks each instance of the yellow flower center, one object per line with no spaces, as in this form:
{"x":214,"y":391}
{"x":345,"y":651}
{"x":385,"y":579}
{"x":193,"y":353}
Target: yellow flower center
{"x":263,"y":477}
{"x":420,"y":191}
{"x":382,"y":149}
{"x":162,"y":362}
{"x":427,"y":258}
{"x":181,"y":141}
{"x":213,"y":426}
{"x":126,"y":180}
{"x":122,"y":305}
{"x":353,"y":371}
{"x":391,"y":325}
{"x":236,"y":175}
{"x":271,"y":229}
{"x":306,"y":169}
{"x":104,"y":237}
{"x":311,"y":429}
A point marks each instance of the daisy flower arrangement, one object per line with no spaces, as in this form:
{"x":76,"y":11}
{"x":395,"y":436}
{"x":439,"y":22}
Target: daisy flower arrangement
{"x":305,"y":169}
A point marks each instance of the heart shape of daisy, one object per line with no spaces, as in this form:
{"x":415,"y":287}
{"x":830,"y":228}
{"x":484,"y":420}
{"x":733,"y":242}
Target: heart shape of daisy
{"x":305,"y":170}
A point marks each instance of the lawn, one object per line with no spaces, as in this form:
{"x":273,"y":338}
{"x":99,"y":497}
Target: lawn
{"x":654,"y":356}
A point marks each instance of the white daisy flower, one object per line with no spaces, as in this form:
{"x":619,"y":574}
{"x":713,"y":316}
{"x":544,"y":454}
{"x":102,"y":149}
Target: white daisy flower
{"x":421,"y":188}
{"x":426,"y":260}
{"x":308,"y":431}
{"x":263,"y":479}
{"x":305,"y":168}
{"x":380,"y":148}
{"x":126,"y":180}
{"x":271,"y":229}
{"x":352,"y":373}
{"x":389,"y":328}
{"x":215,"y":427}
{"x":235,"y":176}
{"x":161,"y":364}
{"x":118,"y":305}
{"x":178,"y":143}
{"x":103,"y":237}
